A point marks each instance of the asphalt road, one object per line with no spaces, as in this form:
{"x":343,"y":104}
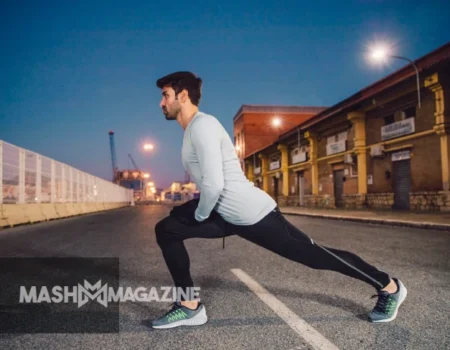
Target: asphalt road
{"x":334,"y":305}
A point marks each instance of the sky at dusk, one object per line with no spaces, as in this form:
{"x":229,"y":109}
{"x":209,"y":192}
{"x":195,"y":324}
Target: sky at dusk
{"x":70,"y":73}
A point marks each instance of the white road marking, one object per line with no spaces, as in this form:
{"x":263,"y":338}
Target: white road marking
{"x":308,"y":333}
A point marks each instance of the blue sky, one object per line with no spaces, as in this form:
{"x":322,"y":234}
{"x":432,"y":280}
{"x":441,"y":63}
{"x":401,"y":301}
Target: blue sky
{"x":69,"y":74}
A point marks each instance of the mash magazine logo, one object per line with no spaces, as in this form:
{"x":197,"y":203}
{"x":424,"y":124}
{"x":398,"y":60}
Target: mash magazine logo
{"x":79,"y":294}
{"x":60,"y":295}
{"x":82,"y":294}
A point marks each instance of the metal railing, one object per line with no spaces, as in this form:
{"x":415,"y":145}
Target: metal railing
{"x":28,"y":177}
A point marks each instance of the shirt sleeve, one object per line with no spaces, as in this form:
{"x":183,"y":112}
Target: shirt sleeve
{"x":206,"y":137}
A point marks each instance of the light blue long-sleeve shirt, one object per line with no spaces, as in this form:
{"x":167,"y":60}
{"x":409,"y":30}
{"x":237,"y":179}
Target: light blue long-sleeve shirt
{"x":209,"y":156}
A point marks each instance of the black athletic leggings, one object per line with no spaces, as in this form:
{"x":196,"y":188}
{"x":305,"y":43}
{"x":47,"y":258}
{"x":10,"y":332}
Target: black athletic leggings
{"x":273,"y":232}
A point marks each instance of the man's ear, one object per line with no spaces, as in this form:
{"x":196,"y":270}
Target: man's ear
{"x":183,"y":96}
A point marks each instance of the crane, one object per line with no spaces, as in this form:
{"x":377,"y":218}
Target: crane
{"x":113,"y":155}
{"x":134,"y":164}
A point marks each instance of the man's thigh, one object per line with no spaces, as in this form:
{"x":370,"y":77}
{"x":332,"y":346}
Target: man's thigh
{"x":213,"y":227}
{"x":273,"y":232}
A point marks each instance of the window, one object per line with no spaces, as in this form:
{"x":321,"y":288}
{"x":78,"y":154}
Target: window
{"x":353,"y":170}
{"x":410,"y":112}
{"x":389,"y":119}
{"x":337,"y":137}
{"x":342,"y":136}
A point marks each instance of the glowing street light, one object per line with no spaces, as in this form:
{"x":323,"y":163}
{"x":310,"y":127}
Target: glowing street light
{"x":379,"y":53}
{"x":146,"y":175}
{"x":148,"y":147}
{"x":276,"y":121}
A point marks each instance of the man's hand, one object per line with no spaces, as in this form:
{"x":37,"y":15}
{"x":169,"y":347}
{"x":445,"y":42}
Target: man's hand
{"x":190,"y":221}
{"x":185,"y":213}
{"x":176,"y":211}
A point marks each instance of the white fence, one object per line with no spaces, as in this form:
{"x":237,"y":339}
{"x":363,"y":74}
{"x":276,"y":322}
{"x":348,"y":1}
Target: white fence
{"x":28,"y":177}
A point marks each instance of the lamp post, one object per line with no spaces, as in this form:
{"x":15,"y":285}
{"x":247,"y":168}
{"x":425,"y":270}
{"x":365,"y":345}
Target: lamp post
{"x":147,"y":148}
{"x":380,"y":54}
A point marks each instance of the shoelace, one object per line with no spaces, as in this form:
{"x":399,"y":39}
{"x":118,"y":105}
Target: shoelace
{"x":382,"y":303}
{"x":173,"y":307}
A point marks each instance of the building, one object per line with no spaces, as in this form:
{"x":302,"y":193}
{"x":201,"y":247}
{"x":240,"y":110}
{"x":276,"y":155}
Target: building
{"x":379,"y":148}
{"x":257,"y":126}
{"x":134,"y":179}
{"x":180,"y":192}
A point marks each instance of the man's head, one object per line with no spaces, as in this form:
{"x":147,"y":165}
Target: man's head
{"x":179,"y":89}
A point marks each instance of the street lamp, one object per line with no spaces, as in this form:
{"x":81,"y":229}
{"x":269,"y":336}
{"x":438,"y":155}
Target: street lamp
{"x":147,"y":148}
{"x":276,"y":121}
{"x":380,"y":53}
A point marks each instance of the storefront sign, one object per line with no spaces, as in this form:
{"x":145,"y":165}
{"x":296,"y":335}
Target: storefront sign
{"x":336,"y":147}
{"x":400,"y":128}
{"x":274,"y":165}
{"x":402,"y":155}
{"x":299,"y":157}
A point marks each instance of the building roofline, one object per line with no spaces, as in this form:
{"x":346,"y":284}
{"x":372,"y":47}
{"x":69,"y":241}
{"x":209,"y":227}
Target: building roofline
{"x":248,"y":108}
{"x":425,"y":62}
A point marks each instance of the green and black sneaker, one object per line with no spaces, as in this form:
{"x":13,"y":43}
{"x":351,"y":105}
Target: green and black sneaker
{"x":180,"y":315}
{"x":387,"y":305}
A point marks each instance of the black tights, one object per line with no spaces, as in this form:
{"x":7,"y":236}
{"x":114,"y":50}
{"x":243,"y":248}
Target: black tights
{"x":274,"y":233}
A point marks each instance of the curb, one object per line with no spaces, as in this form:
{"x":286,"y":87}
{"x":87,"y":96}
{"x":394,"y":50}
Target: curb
{"x":422,"y":225}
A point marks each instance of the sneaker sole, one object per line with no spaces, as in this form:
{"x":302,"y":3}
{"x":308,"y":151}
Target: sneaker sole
{"x":197,"y":320}
{"x":403,"y":294}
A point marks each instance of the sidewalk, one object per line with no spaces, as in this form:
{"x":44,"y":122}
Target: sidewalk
{"x":427,"y":220}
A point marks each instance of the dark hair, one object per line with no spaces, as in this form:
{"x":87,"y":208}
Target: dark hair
{"x":183,"y":80}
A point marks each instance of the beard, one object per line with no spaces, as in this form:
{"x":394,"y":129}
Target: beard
{"x":172,"y":114}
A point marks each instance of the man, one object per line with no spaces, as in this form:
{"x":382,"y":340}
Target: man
{"x":229,"y":204}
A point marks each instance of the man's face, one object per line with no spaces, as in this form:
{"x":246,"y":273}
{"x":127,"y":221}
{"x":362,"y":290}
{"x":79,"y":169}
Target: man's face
{"x":170,"y":105}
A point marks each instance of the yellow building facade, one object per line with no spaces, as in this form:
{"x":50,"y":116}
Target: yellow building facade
{"x":380,"y":148}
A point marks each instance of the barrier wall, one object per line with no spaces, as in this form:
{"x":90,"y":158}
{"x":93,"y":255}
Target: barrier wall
{"x":36,"y":188}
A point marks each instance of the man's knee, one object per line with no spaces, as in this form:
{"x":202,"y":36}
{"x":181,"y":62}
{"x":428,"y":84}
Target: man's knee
{"x":161,"y":232}
{"x":164,"y":230}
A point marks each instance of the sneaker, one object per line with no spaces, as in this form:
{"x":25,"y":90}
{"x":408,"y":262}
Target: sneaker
{"x":387,"y":305}
{"x":180,"y":315}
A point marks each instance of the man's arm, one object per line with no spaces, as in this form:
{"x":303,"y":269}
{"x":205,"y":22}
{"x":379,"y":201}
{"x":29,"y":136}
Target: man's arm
{"x":206,"y":136}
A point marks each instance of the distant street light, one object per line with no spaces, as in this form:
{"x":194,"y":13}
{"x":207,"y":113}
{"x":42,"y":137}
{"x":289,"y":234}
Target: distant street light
{"x":379,"y":54}
{"x":147,"y":147}
{"x":276,"y":121}
{"x":273,"y":123}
